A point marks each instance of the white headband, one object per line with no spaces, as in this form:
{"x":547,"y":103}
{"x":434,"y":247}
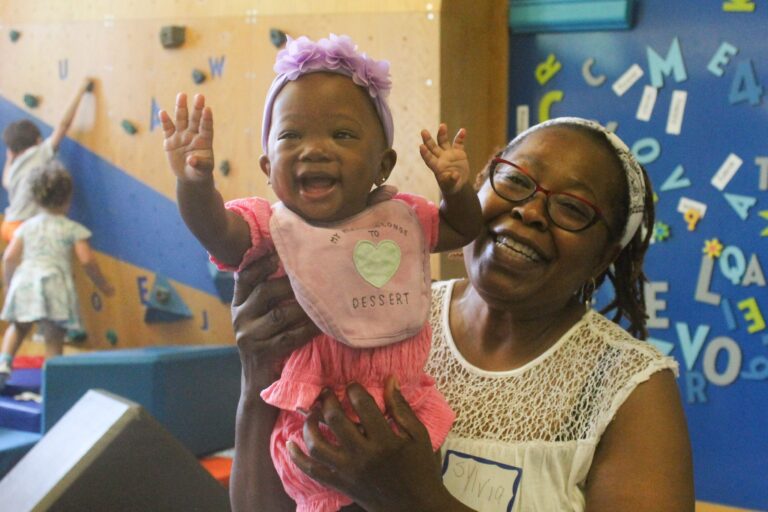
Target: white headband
{"x":635,"y":181}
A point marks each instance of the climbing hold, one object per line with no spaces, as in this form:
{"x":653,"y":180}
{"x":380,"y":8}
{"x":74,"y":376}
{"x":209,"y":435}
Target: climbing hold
{"x":165,"y":304}
{"x":198,"y":76}
{"x":76,"y":336}
{"x":172,"y":36}
{"x":31,"y":101}
{"x":277,"y":37}
{"x":224,"y":167}
{"x":162,"y":295}
{"x":90,"y":86}
{"x":14,"y":35}
{"x":129,"y":127}
{"x":111,"y":337}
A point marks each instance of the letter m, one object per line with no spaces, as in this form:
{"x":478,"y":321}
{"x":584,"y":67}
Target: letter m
{"x":673,"y":63}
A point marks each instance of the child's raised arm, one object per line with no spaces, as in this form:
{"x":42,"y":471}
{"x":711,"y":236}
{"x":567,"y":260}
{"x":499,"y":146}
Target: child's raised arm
{"x":91,"y":266}
{"x":69,"y":115}
{"x":189,"y":147}
{"x":460,"y":214}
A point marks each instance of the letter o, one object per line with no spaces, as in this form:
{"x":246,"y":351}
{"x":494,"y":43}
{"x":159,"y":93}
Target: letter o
{"x":731,"y":372}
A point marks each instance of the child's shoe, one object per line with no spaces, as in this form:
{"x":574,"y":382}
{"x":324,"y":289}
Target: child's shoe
{"x":5,"y":372}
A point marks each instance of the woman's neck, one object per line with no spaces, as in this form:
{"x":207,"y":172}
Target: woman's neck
{"x":498,"y":339}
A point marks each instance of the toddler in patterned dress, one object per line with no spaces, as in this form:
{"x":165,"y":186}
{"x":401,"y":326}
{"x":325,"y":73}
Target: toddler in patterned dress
{"x":37,"y":269}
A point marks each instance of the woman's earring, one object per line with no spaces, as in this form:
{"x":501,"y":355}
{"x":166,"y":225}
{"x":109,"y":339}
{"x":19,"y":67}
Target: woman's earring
{"x":380,"y":181}
{"x":587,"y":291}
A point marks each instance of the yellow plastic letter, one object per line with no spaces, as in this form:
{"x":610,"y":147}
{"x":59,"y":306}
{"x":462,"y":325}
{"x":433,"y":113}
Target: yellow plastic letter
{"x":546,"y":102}
{"x":547,"y":69}
{"x":752,"y":314}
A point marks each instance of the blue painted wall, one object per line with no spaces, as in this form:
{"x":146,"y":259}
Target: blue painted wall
{"x":724,"y":370}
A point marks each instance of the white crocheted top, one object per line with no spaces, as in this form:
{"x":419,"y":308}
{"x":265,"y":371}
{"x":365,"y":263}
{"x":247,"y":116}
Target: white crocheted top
{"x":524,"y":439}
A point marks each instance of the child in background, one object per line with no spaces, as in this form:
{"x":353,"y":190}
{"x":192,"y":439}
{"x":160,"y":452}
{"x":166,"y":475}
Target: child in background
{"x":37,"y":268}
{"x":357,"y":259}
{"x":25,"y":151}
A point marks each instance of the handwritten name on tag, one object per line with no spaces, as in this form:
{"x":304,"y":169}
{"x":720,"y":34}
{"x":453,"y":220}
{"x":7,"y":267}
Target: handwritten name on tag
{"x":479,"y":483}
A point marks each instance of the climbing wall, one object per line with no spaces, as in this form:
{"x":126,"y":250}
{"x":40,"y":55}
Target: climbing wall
{"x":166,"y":290}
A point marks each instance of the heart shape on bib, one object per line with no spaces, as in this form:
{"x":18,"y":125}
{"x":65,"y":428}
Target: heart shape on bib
{"x":377,"y":263}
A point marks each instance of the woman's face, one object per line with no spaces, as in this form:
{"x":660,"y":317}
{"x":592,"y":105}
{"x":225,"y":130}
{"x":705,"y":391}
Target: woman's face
{"x":521,"y":255}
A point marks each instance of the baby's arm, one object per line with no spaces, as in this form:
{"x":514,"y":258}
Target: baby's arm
{"x":91,"y":266}
{"x":189,"y":147}
{"x":460,"y":214}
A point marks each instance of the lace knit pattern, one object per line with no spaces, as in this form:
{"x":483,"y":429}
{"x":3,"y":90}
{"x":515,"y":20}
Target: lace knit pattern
{"x":570,"y":393}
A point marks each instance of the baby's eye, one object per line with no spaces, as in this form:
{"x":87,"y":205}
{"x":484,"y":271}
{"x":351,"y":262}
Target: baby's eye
{"x":343,"y":134}
{"x":287,"y":135}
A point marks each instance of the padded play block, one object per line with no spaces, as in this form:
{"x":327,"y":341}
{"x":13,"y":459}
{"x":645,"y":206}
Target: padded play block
{"x":13,"y":445}
{"x":20,"y":414}
{"x":23,"y":379}
{"x":191,"y":390}
{"x":109,"y":454}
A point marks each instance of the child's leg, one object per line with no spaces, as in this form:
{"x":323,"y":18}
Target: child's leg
{"x":14,"y":335}
{"x":54,"y":338}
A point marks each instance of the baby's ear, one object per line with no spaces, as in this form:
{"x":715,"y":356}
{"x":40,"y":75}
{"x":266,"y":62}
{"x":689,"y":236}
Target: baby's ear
{"x":386,"y":164}
{"x":266,"y":166}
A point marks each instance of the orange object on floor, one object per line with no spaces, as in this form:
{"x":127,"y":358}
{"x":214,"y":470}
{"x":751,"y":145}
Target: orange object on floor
{"x":219,"y":467}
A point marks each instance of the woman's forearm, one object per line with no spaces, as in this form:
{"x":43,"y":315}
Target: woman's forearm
{"x":254,"y":484}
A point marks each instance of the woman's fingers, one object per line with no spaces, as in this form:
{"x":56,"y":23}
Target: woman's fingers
{"x":254,"y":274}
{"x":372,"y":420}
{"x":165,"y":121}
{"x":401,"y":411}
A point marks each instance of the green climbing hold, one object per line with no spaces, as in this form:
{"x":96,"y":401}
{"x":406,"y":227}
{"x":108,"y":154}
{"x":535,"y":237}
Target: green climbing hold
{"x":31,"y":101}
{"x":129,"y":127}
{"x":277,"y":37}
{"x":224,"y":167}
{"x":198,"y":76}
{"x":111,"y":337}
{"x":14,"y":35}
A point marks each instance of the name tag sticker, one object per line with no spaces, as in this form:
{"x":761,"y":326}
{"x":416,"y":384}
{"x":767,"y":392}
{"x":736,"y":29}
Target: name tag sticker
{"x":480,"y":483}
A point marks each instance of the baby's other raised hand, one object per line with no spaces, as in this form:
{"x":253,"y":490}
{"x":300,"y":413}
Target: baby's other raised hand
{"x":448,"y":160}
{"x":188,"y":143}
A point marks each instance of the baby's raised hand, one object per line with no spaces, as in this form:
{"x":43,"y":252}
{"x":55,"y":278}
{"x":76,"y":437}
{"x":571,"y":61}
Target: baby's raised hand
{"x":447,"y":160}
{"x":188,"y":144}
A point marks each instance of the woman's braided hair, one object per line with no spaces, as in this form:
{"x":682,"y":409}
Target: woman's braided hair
{"x":626,"y":273}
{"x":51,"y":185}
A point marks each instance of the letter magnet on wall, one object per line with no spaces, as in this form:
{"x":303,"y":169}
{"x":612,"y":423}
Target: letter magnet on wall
{"x":172,"y":36}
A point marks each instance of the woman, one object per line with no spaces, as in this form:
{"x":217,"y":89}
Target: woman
{"x":557,"y":408}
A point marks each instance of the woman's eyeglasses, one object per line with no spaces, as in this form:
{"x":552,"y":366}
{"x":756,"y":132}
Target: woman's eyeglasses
{"x":567,"y":211}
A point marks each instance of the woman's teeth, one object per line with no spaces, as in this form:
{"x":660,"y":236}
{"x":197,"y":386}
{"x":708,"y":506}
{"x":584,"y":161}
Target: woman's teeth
{"x":508,"y":243}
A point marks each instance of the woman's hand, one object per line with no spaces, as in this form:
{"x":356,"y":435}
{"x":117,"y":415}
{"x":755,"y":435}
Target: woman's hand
{"x":268,"y":322}
{"x":378,"y":467}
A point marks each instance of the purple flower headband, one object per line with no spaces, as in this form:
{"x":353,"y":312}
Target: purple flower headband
{"x":337,"y":54}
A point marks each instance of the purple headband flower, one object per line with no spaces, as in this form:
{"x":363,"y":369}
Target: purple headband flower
{"x":337,"y":54}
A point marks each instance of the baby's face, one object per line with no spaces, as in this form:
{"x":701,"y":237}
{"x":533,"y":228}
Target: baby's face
{"x":326,"y":147}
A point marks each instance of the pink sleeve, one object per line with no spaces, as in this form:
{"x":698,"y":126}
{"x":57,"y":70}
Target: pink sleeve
{"x":428,"y":215}
{"x":256,"y":211}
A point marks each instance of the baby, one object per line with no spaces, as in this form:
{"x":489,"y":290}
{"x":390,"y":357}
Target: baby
{"x":357,"y":258}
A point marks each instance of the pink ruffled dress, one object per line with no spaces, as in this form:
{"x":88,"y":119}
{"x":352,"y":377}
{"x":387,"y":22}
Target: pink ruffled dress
{"x":366,"y":281}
